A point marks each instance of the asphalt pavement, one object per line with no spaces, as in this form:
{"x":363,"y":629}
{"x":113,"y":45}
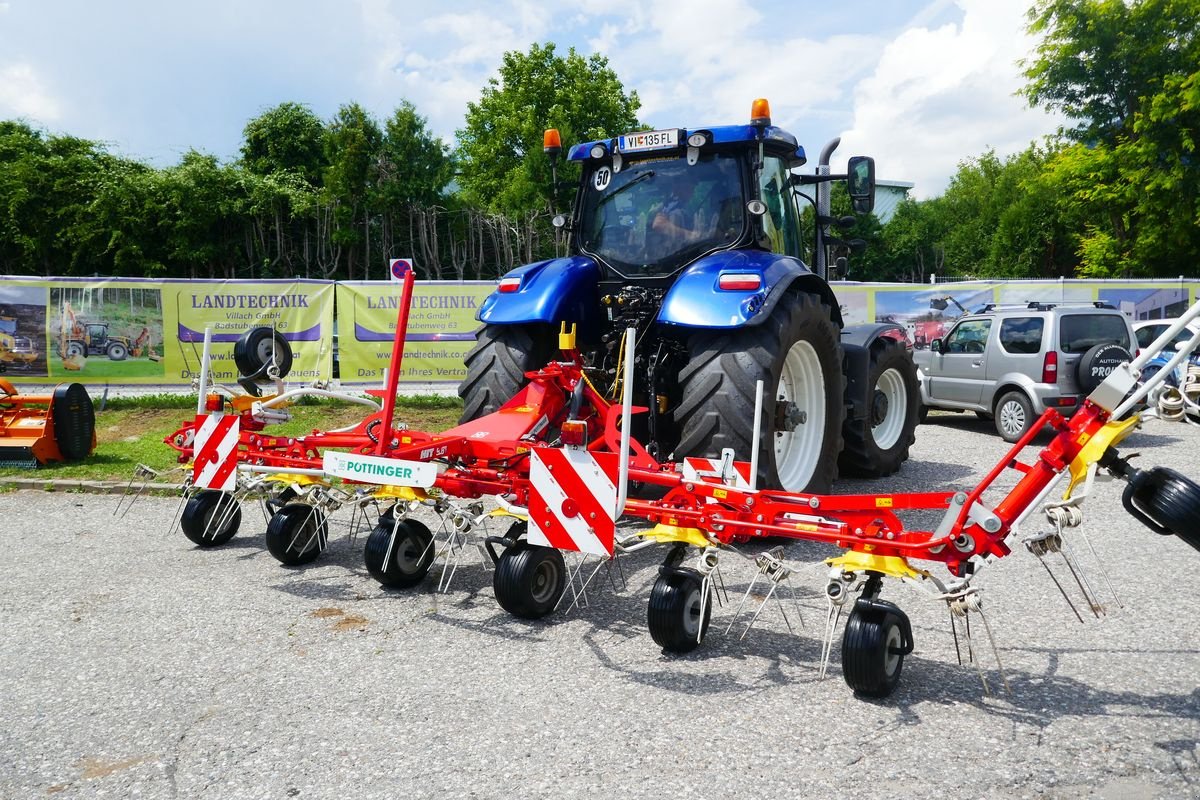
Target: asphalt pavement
{"x":133,"y":664}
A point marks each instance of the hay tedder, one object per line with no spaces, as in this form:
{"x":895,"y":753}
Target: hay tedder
{"x":39,"y":428}
{"x":563,"y":469}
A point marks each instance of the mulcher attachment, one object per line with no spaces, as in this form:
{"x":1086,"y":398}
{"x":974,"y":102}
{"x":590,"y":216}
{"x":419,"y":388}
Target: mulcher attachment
{"x":37,"y":429}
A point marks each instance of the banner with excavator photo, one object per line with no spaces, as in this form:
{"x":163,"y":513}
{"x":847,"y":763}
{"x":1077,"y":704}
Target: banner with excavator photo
{"x":441,"y":329}
{"x":133,"y":331}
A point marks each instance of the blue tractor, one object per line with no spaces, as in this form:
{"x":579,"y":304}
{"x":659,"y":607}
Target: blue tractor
{"x":693,"y":237}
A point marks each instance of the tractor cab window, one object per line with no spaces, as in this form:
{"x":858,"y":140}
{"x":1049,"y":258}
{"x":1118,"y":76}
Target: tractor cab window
{"x":781,"y":226}
{"x":656,"y":215}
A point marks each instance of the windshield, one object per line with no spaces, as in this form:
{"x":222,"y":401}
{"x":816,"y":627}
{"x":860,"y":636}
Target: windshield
{"x":654,"y":216}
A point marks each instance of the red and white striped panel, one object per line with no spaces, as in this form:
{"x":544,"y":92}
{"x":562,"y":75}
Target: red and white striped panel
{"x":709,"y":469}
{"x":215,"y":452}
{"x":572,"y":499}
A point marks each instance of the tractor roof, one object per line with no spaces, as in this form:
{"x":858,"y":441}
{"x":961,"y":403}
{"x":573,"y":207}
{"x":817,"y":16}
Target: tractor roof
{"x":777,"y":140}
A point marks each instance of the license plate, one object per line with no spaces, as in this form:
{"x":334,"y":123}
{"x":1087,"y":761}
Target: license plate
{"x":648,"y":140}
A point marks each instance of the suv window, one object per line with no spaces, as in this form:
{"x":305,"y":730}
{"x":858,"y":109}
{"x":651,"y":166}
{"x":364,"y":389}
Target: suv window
{"x":1022,"y":335}
{"x":1079,"y":332}
{"x":1149,"y":333}
{"x":968,"y":336}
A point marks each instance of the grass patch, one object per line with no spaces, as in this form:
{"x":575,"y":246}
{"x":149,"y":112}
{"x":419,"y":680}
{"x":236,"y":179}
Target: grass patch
{"x":131,"y":433}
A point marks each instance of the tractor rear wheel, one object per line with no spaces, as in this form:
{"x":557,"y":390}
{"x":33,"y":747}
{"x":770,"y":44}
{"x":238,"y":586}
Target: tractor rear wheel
{"x":797,"y":354}
{"x":497,"y":364}
{"x":877,"y":445}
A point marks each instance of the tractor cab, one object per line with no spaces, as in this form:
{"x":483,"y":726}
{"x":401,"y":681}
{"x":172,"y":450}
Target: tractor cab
{"x":652,"y":202}
{"x":97,"y":334}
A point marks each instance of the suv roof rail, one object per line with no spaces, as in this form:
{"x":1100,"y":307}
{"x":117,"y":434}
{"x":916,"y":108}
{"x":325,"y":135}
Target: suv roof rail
{"x":1035,"y":305}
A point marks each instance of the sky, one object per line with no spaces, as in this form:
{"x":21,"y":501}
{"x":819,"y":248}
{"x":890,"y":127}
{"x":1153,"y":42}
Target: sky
{"x":921,"y":86}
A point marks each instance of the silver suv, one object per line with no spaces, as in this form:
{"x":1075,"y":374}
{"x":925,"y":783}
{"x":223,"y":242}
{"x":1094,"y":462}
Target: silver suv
{"x":1014,"y":362}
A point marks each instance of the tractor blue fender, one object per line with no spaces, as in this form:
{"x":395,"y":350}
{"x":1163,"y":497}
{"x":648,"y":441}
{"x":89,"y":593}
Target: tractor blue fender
{"x":695,"y":300}
{"x":552,"y":291}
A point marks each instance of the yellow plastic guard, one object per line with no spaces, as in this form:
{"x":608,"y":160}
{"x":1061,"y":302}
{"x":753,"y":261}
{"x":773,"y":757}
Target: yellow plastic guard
{"x":405,"y":493}
{"x":673,"y":533}
{"x":500,"y":512}
{"x":566,"y":338}
{"x":1110,"y":434}
{"x":242,"y":402}
{"x":895,"y":566}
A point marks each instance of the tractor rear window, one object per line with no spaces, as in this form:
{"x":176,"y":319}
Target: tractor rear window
{"x":1077,"y":333}
{"x":1022,"y":335}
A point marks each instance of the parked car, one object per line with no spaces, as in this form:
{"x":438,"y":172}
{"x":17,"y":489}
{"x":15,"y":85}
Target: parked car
{"x":1011,"y":363}
{"x":1148,"y":330}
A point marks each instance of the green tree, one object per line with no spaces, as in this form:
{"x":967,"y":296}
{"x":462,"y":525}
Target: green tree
{"x":416,"y":165}
{"x":287,"y":138}
{"x":502,"y":166}
{"x":353,"y":146}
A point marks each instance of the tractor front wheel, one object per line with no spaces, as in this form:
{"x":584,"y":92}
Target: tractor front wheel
{"x":796,"y":353}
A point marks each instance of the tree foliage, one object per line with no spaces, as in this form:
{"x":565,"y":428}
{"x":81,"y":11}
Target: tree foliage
{"x":503,"y":167}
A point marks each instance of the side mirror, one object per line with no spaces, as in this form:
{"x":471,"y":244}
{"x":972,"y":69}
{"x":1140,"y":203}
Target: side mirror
{"x":935,"y":346}
{"x":860,"y":183}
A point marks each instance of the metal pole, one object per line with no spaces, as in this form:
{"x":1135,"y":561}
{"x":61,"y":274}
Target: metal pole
{"x":200,"y":400}
{"x":758,"y":397}
{"x":626,"y":415}
{"x":393,"y":376}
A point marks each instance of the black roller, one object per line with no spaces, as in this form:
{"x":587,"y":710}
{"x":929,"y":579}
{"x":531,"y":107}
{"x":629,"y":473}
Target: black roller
{"x":74,"y":421}
{"x":1166,"y":502}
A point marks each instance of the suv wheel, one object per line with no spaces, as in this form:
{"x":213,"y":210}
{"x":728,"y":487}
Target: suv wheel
{"x":1014,"y":415}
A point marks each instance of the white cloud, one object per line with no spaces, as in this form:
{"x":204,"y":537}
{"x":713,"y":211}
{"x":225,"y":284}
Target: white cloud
{"x":23,"y":95}
{"x":942,"y":95}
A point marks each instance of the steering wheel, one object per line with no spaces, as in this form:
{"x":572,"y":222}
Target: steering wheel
{"x":973,"y":347}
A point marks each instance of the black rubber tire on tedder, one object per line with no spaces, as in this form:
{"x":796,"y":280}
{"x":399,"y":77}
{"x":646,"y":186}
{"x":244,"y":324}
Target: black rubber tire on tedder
{"x":877,"y":445}
{"x":204,"y":510}
{"x":673,"y":615}
{"x":1170,"y":500}
{"x":717,"y":389}
{"x":529,"y":580}
{"x":410,"y":558}
{"x":873,"y":650}
{"x":253,"y":351}
{"x":297,"y":534}
{"x":497,"y":364}
{"x":74,"y":419}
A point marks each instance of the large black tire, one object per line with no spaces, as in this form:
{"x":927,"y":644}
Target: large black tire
{"x":673,"y":615}
{"x":74,"y":419}
{"x":1014,"y":415}
{"x":204,"y":511}
{"x":497,"y":364}
{"x":410,"y":558}
{"x":529,"y":580}
{"x":297,"y":534}
{"x":117,"y":351}
{"x":872,"y":656}
{"x":877,"y":445}
{"x":254,"y":350}
{"x":799,"y":445}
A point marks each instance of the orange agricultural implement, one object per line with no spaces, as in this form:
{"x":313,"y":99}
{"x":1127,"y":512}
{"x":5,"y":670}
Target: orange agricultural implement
{"x":39,"y":428}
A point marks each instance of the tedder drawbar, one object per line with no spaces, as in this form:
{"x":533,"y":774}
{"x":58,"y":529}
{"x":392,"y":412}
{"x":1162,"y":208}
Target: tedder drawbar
{"x":559,"y":459}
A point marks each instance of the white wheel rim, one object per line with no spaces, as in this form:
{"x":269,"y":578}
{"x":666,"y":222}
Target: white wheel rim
{"x":887,"y":432}
{"x":802,"y":382}
{"x":1012,"y":417}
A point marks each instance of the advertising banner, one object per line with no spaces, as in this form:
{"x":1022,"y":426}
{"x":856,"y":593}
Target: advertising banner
{"x":441,"y":329}
{"x":132,"y":331}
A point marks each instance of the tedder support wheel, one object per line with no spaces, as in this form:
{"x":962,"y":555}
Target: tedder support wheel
{"x":529,"y":579}
{"x":1169,"y":500}
{"x":402,"y":561}
{"x":877,"y":638}
{"x":497,"y":364}
{"x":797,"y":354}
{"x":675,"y":607}
{"x":258,"y":348}
{"x":74,"y":419}
{"x":877,"y":445}
{"x":297,"y":534}
{"x":1014,"y":415}
{"x":211,"y":518}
